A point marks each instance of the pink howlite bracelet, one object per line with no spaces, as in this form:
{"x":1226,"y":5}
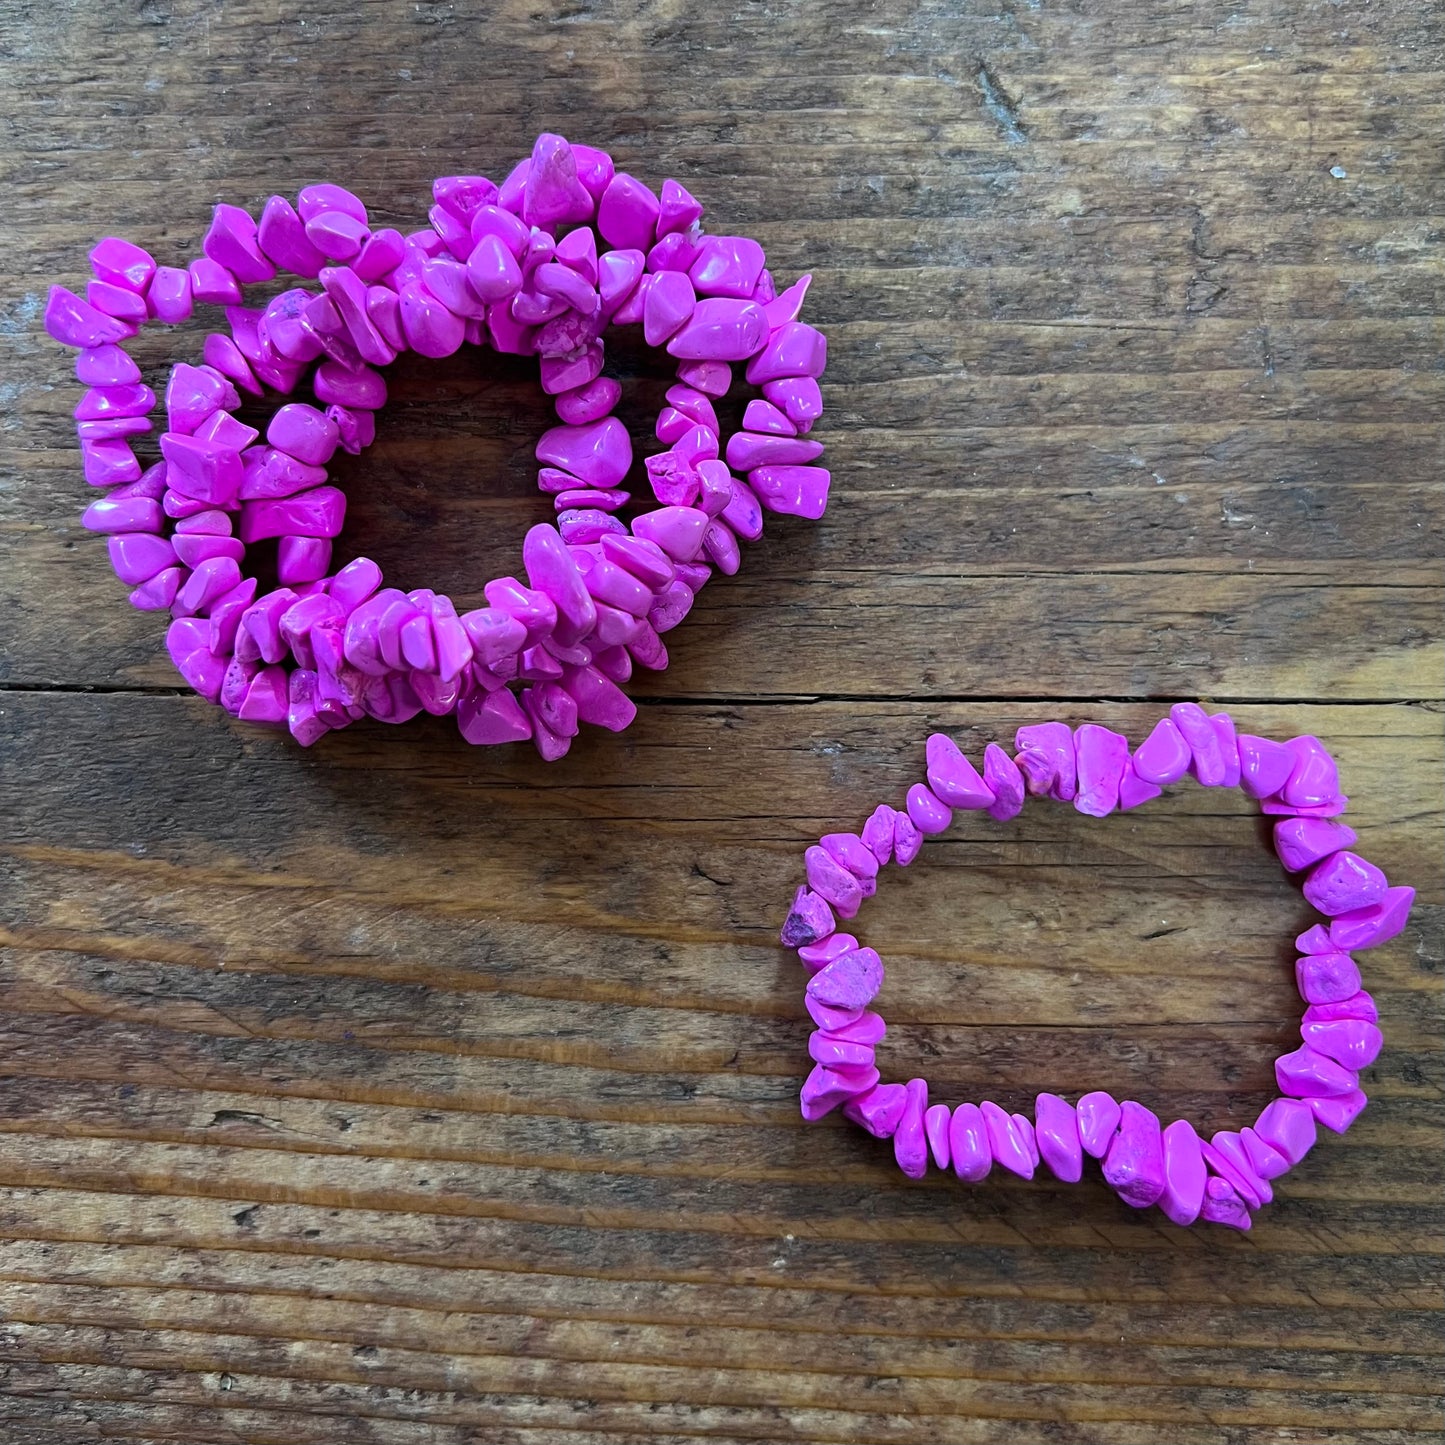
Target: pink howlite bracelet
{"x":541,"y":265}
{"x":1223,"y":1179}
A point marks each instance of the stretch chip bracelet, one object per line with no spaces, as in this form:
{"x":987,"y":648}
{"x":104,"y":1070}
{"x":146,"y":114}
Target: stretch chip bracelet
{"x":516,"y":267}
{"x":1222,"y":1179}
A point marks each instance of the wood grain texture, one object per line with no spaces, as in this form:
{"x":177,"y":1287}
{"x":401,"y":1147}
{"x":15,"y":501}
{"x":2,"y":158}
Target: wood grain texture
{"x":395,"y":1093}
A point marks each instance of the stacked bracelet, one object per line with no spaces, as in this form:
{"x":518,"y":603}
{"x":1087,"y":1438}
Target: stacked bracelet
{"x":517,"y":267}
{"x":1222,"y":1179}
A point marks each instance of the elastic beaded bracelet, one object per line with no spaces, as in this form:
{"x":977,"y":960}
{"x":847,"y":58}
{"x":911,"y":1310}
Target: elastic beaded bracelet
{"x":1221,"y":1180}
{"x":516,"y":267}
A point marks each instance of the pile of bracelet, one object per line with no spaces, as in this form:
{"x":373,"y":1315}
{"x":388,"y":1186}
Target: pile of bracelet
{"x":516,"y":267}
{"x":1222,"y":1179}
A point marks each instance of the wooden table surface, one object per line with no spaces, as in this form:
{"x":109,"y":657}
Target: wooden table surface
{"x":401,"y":1093}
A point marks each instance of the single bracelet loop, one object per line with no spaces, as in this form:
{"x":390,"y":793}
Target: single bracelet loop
{"x":1222,"y":1179}
{"x":516,"y":267}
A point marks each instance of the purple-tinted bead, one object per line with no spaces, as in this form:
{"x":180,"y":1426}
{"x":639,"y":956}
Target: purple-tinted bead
{"x":667,"y":304}
{"x":1314,"y":780}
{"x":1264,"y":765}
{"x":851,"y":981}
{"x":798,"y":398}
{"x":1133,"y":790}
{"x":1222,"y":1205}
{"x":131,"y":514}
{"x":1344,"y":882}
{"x":880,"y":1110}
{"x":303,"y":432}
{"x":157,"y":594}
{"x":678,"y":531}
{"x":1056,"y":1130}
{"x":936,"y":1120}
{"x":194,"y":548}
{"x":952,"y":777}
{"x":1225,"y":1155}
{"x":112,"y":429}
{"x":590,"y":402}
{"x":207,"y":584}
{"x":551,"y":569}
{"x":75,"y":322}
{"x":1134,"y":1165}
{"x":599,"y":453}
{"x":1224,"y":734}
{"x":201,"y":470}
{"x":302,"y":559}
{"x":907,"y":839}
{"x":1264,"y":1159}
{"x":878,"y":833}
{"x":102,"y":402}
{"x":1102,"y":758}
{"x":795,"y":349}
{"x":282,"y":236}
{"x":1314,"y":939}
{"x":1005,"y":1142}
{"x":337,"y":236}
{"x":828,"y":877}
{"x":628,"y":213}
{"x":169,"y":298}
{"x":825,"y":1088}
{"x":968,"y":1143}
{"x":1353,"y":1043}
{"x":1302,"y":841}
{"x":814,"y":956}
{"x":1338,"y":1111}
{"x":492,"y":718}
{"x":765,"y":419}
{"x":492,"y":270}
{"x":122,"y":263}
{"x":1054,"y":742}
{"x":809,"y":920}
{"x":430,"y":328}
{"x":108,"y":462}
{"x":317,"y":513}
{"x":1184,"y":1173}
{"x":553,"y":195}
{"x":117,"y":301}
{"x":927,"y":813}
{"x":1357,"y":1006}
{"x":336,"y":384}
{"x":678,"y":209}
{"x":712,"y":378}
{"x":720,"y":330}
{"x":231,"y":242}
{"x":212,"y":283}
{"x":1307,"y":1073}
{"x":786,"y":306}
{"x":1163,"y":757}
{"x":1326,"y":977}
{"x":1287,"y":1126}
{"x":566,"y":373}
{"x":727,"y":266}
{"x":106,"y":366}
{"x":139,"y":556}
{"x":1206,"y":755}
{"x":850,"y":852}
{"x":1098,"y":1115}
{"x":910,"y":1142}
{"x":792,"y":491}
{"x":1003,"y":779}
{"x":1366,"y":927}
